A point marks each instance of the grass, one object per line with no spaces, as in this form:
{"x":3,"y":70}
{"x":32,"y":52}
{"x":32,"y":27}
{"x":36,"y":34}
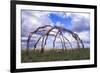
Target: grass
{"x":55,"y":55}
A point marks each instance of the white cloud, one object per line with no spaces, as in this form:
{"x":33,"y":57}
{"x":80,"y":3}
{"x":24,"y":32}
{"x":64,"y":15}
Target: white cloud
{"x":33,"y":19}
{"x":85,"y":36}
{"x":59,"y":24}
{"x":80,"y":22}
{"x":68,"y":14}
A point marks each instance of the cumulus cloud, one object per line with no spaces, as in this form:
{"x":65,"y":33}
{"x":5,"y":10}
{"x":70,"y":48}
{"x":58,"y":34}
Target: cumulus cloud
{"x":31,"y":20}
{"x":80,"y":22}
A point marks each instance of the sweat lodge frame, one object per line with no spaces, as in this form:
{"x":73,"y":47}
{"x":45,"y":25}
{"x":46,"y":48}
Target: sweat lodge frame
{"x":14,"y":53}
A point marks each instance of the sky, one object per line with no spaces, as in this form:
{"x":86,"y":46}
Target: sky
{"x":79,"y":23}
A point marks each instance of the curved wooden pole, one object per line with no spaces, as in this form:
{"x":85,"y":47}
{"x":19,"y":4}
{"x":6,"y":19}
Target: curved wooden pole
{"x":75,"y":37}
{"x":68,"y":41}
{"x":62,"y":43}
{"x":63,"y":40}
{"x":42,"y":45}
{"x":41,"y":28}
{"x":27,"y":48}
{"x":55,"y":38}
{"x":80,"y":41}
{"x":37,"y":43}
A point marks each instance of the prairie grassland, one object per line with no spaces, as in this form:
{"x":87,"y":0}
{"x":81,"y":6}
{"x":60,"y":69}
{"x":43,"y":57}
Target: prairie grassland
{"x":55,"y":55}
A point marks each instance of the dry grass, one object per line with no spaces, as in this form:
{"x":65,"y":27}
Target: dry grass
{"x":55,"y":55}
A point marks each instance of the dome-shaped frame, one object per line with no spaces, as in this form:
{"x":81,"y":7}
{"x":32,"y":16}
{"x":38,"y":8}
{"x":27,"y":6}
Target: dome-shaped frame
{"x":45,"y":33}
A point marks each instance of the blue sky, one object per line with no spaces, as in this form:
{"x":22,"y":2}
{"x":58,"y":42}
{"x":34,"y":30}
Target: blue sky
{"x":77,"y":22}
{"x":66,"y":21}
